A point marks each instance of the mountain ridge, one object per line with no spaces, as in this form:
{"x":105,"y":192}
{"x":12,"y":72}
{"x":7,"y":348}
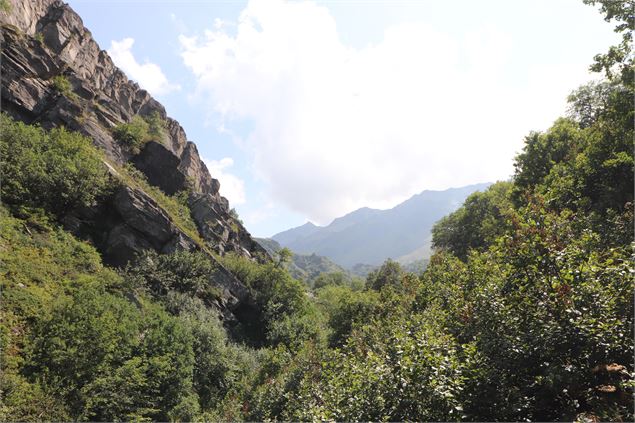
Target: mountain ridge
{"x":369,"y":236}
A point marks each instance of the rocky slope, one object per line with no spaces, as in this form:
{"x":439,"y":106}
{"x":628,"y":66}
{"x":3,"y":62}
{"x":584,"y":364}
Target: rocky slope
{"x":44,"y":41}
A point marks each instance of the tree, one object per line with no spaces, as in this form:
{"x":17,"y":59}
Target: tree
{"x":476,"y":224}
{"x":284,"y":257}
{"x":389,"y":274}
{"x":619,"y":56}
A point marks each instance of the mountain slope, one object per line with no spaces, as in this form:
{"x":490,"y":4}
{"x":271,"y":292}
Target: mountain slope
{"x":370,"y":236}
{"x":55,"y":75}
{"x":304,"y":267}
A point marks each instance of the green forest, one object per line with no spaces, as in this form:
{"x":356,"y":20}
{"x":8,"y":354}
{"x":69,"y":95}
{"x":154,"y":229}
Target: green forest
{"x":524,"y":312}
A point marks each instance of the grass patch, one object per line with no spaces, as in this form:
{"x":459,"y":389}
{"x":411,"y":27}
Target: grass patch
{"x":62,"y":85}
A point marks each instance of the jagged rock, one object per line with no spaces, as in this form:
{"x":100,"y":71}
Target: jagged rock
{"x":45,"y":39}
{"x":122,"y":243}
{"x":140,"y":212}
{"x":194,"y":168}
{"x":161,"y":167}
{"x":214,"y":222}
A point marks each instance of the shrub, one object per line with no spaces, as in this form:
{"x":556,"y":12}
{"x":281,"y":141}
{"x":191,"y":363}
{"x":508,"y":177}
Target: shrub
{"x":53,"y":170}
{"x":140,"y":130}
{"x":284,"y":314}
{"x":182,"y":271}
{"x":62,"y":85}
{"x":132,"y":134}
{"x":390,"y":273}
{"x":157,"y":128}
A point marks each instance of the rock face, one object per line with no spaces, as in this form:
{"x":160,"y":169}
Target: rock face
{"x":161,"y":167}
{"x":44,"y":41}
{"x":212,"y":220}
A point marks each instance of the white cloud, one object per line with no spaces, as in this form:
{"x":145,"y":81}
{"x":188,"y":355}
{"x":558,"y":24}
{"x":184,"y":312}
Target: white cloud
{"x":231,"y":186}
{"x":148,"y":75}
{"x":337,"y":128}
{"x":261,"y":214}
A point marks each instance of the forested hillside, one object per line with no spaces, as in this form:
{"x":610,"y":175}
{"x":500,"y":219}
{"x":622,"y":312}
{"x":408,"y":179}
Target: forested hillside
{"x":524,"y":312}
{"x":304,"y":267}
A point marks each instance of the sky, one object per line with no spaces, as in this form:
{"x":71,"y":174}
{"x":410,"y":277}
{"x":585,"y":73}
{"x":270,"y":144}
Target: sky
{"x":308,"y":110}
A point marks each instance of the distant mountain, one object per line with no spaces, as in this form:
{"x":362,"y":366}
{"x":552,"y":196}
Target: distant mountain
{"x":304,"y":267}
{"x":370,"y":236}
{"x":292,"y":235}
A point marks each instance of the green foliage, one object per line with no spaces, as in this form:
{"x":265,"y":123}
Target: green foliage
{"x":108,"y":359}
{"x":544,"y":151}
{"x":543,"y":313}
{"x":5,"y":6}
{"x":284,"y":257}
{"x":585,"y":165}
{"x":403,"y":370}
{"x":389,"y":274}
{"x":62,"y":85}
{"x":346,"y":309}
{"x":192,"y":273}
{"x":139,"y":130}
{"x":477,"y":224}
{"x":157,"y":127}
{"x":53,"y":170}
{"x":618,"y":58}
{"x":283,"y":313}
{"x":39,"y":265}
{"x":79,"y":342}
{"x":133,"y":134}
{"x":525,"y":311}
{"x":338,"y":279}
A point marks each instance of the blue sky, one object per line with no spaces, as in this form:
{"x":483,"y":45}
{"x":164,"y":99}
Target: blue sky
{"x":309,"y":110}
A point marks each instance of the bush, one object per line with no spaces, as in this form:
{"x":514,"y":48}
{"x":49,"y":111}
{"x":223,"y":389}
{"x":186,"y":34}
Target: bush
{"x":157,"y":128}
{"x":77,"y":343}
{"x":53,"y":170}
{"x":133,"y":134}
{"x":283,"y":312}
{"x":181,"y":271}
{"x":61,"y":84}
{"x":140,"y":130}
{"x":109,"y":360}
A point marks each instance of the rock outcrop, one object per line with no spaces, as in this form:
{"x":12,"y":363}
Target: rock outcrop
{"x":45,"y":41}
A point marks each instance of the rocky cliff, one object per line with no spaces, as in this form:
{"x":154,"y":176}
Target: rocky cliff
{"x":45,"y":41}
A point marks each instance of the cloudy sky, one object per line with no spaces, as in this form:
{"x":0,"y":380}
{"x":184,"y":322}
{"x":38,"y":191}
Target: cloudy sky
{"x":309,"y":110}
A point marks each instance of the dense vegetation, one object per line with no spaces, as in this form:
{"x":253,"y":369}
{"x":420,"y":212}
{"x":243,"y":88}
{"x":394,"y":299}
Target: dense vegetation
{"x":525,"y":311}
{"x":54,"y":171}
{"x":312,"y":269}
